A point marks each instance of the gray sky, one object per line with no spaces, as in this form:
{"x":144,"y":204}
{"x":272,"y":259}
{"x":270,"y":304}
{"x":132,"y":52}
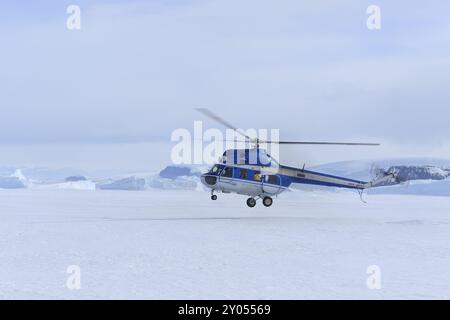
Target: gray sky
{"x":111,"y":93}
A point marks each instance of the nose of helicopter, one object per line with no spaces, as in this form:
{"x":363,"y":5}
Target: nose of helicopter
{"x":208,"y":180}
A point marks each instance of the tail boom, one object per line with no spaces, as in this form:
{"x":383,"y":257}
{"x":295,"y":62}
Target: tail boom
{"x":302,"y":176}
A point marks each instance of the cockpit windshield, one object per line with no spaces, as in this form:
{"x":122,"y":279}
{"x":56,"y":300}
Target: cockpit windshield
{"x":272,"y":161}
{"x":264,"y":159}
{"x":214,"y":169}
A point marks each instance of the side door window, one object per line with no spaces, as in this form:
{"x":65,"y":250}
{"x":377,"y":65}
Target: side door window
{"x":227,"y":172}
{"x":272,"y":179}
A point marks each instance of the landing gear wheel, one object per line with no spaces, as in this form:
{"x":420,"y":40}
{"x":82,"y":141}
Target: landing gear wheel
{"x":251,"y":202}
{"x":267,"y":201}
{"x":213,"y":197}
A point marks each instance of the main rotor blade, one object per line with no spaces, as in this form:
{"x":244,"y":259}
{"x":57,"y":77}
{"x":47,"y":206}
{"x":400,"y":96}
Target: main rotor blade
{"x":301,"y":142}
{"x":224,"y":140}
{"x":324,"y":143}
{"x":218,"y":119}
{"x":215,"y":117}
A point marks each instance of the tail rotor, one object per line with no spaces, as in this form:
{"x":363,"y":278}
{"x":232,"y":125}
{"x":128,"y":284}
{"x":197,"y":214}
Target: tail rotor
{"x":388,"y":176}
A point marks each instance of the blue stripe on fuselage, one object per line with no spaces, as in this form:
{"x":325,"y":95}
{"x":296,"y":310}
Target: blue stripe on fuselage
{"x":257,"y":183}
{"x":320,"y":183}
{"x":322,"y":174}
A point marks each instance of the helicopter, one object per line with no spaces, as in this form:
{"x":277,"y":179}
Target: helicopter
{"x":254,"y":173}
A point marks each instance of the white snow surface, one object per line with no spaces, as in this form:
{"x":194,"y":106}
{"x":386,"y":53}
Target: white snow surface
{"x":181,"y":245}
{"x":69,"y":185}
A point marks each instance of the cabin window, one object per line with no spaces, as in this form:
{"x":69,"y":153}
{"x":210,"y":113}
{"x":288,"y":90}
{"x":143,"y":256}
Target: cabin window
{"x":272,"y":179}
{"x":257,"y":176}
{"x":227,"y":172}
{"x":243,"y":173}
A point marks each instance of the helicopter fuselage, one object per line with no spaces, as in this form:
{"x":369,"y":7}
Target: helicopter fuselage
{"x":268,"y":180}
{"x":245,"y":180}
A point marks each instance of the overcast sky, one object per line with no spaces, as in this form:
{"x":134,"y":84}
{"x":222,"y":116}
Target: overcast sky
{"x":116,"y":89}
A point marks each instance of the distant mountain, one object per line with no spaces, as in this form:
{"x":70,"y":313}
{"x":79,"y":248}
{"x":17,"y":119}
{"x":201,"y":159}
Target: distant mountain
{"x":171,"y":177}
{"x":173,"y":172}
{"x":421,"y":176}
{"x":16,"y":180}
{"x":363,"y":169}
{"x":43,"y":174}
{"x":418,"y":176}
{"x":180,"y":183}
{"x":76,"y":178}
{"x":410,"y":173}
{"x":129,"y":183}
{"x":11,"y":183}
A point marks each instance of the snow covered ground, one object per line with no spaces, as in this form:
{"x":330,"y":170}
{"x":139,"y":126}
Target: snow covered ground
{"x":180,"y":244}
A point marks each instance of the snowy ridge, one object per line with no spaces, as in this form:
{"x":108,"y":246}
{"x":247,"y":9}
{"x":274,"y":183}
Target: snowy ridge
{"x":418,"y":176}
{"x":14,"y":181}
{"x":172,"y":178}
{"x":422,"y":176}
